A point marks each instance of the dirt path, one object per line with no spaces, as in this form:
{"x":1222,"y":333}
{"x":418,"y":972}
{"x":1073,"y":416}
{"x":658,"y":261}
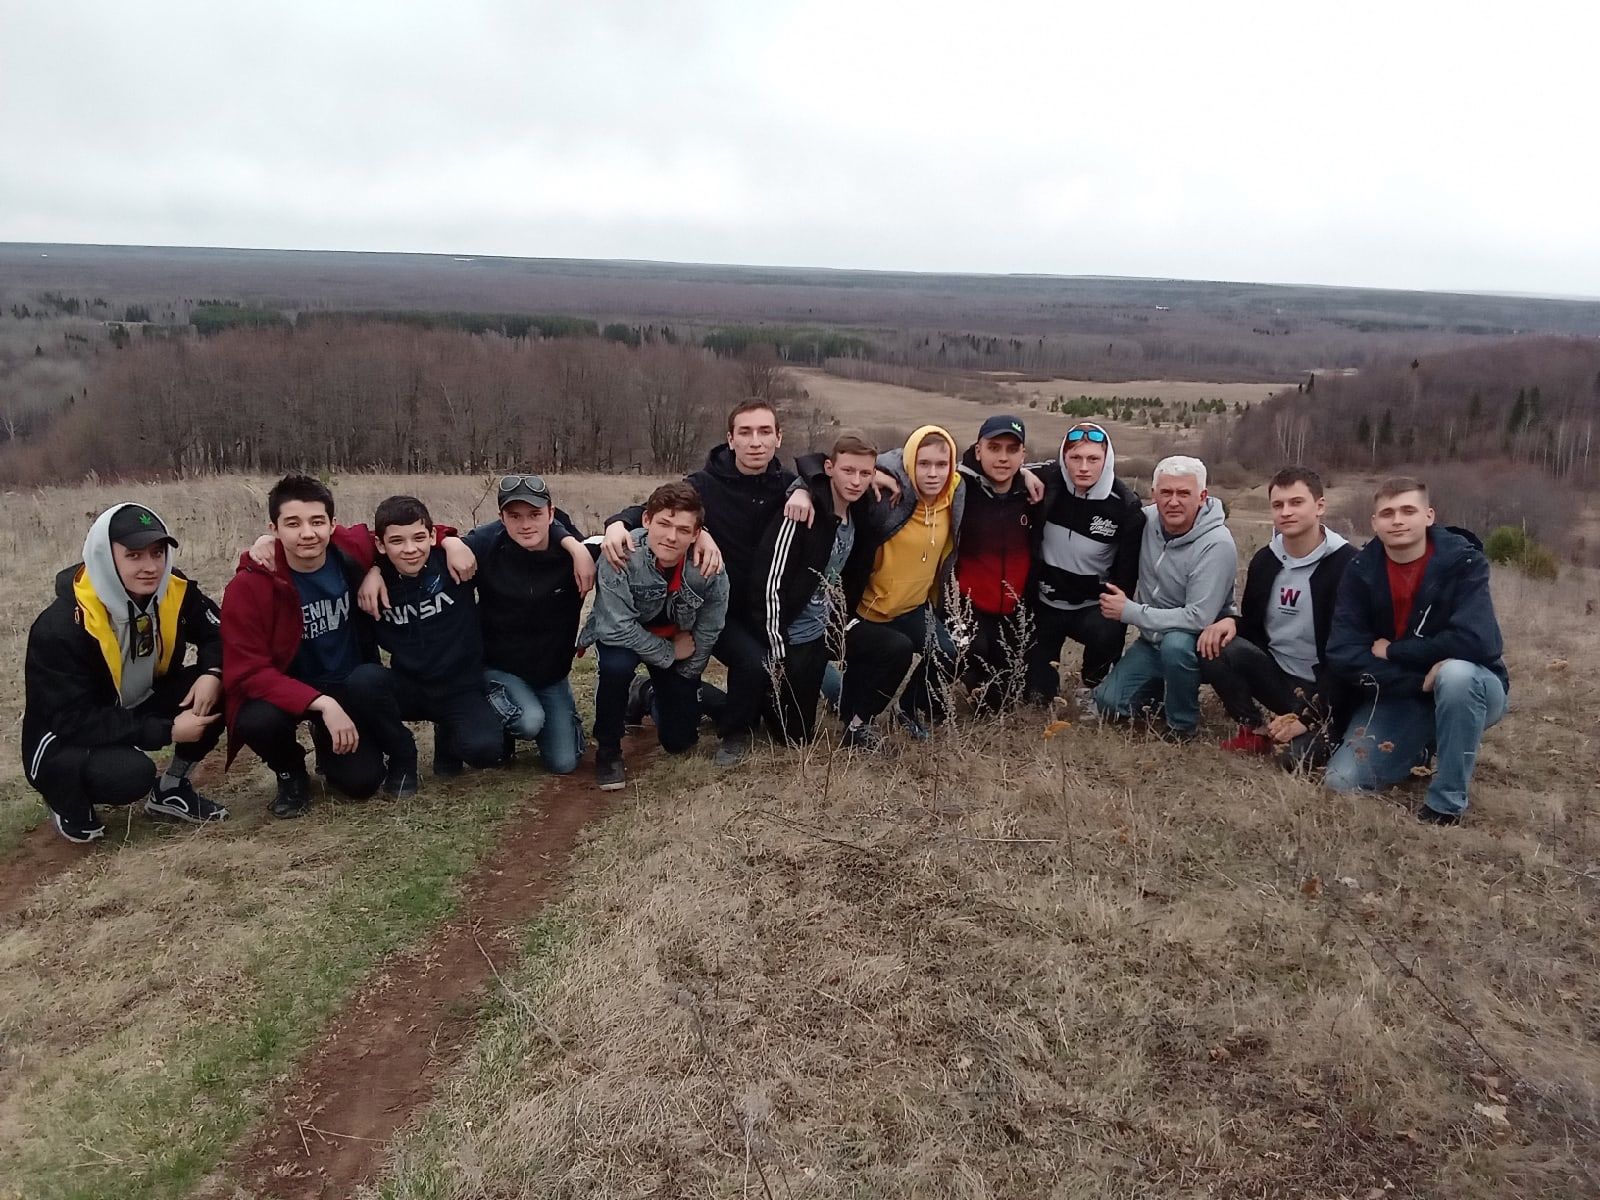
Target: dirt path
{"x":381,"y":1057}
{"x":41,"y":855}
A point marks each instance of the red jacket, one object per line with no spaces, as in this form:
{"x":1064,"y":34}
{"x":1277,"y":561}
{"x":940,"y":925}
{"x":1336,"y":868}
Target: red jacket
{"x":261,"y":626}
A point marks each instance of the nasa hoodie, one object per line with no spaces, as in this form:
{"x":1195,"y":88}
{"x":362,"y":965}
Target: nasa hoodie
{"x":430,"y":628}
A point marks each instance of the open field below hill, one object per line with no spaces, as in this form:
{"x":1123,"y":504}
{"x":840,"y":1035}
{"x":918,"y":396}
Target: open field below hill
{"x":1001,"y":964}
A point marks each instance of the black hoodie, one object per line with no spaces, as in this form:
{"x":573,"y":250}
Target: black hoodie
{"x":792,"y":558}
{"x":739,"y":508}
{"x":430,"y":628}
{"x":528,"y":603}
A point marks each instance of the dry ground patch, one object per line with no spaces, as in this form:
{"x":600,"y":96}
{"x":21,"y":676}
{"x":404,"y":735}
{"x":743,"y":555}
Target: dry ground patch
{"x":1088,"y":965}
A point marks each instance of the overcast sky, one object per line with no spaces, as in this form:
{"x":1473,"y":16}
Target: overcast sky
{"x":1395,"y":144}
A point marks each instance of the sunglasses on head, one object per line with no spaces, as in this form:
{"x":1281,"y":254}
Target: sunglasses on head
{"x":531,"y":483}
{"x":1078,"y":435}
{"x":144,"y":636}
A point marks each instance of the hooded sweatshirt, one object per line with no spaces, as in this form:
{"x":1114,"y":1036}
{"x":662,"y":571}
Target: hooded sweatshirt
{"x":137,"y":676}
{"x":997,"y":538}
{"x":1089,"y":537}
{"x":1290,"y":616}
{"x":1185,"y":582}
{"x":919,"y":535}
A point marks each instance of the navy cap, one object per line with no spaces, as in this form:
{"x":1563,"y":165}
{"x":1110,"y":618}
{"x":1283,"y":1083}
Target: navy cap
{"x":1003,"y":426}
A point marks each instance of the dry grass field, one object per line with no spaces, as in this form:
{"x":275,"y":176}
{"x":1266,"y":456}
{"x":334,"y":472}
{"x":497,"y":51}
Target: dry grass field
{"x":1018,"y":961}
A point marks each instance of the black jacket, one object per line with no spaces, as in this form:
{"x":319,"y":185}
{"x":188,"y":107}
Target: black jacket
{"x":792,"y":557}
{"x":69,"y":690}
{"x":430,"y":628}
{"x":739,"y":508}
{"x":1117,"y":521}
{"x":999,"y":537}
{"x":528,"y":605}
{"x":1452,"y":616}
{"x":1332,"y":696}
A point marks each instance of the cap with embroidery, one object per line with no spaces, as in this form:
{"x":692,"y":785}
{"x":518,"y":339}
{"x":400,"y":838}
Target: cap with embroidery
{"x":136,"y":527}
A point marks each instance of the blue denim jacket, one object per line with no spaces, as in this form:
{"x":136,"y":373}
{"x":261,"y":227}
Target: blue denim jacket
{"x":623,"y":599}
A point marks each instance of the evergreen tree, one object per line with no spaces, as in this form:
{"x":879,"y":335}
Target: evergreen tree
{"x":1519,"y":413}
{"x":1386,"y":429}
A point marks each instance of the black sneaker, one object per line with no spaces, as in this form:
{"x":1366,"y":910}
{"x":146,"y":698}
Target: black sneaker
{"x":609,"y":773}
{"x":83,"y":834}
{"x":294,"y":794}
{"x":641,"y":696}
{"x":184,"y":803}
{"x":1432,"y":816}
{"x":864,"y":738}
{"x":401,"y":781}
{"x":448,"y":766}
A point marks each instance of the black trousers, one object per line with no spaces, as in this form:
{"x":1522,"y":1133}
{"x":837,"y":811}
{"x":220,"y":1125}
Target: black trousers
{"x":1102,"y":640}
{"x":1246,"y":676}
{"x":466,"y":726}
{"x":73,"y":778}
{"x":368,"y":697}
{"x":876,"y":658}
{"x":996,"y":669}
{"x":744,"y":653}
{"x":792,"y":708}
{"x":676,"y":710}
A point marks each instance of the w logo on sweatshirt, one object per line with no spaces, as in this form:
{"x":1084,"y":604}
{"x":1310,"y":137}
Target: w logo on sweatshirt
{"x":1288,"y":597}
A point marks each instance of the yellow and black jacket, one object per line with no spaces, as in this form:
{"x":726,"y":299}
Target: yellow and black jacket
{"x":74,"y":664}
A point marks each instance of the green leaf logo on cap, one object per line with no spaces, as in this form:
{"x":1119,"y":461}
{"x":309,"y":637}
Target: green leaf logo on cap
{"x":146,"y":519}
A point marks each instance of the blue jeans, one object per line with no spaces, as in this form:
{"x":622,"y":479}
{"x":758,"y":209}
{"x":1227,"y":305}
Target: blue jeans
{"x":547,"y":715}
{"x":1466,"y":700}
{"x":1151,"y":676}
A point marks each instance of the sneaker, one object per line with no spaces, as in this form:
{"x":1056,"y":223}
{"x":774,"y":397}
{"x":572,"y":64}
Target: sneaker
{"x":1171,"y":733}
{"x":1432,"y":816}
{"x":184,"y":803}
{"x":641,"y":696}
{"x":401,"y":781}
{"x":73,"y":831}
{"x":1082,"y":702}
{"x":734,"y":750}
{"x":912,"y":725}
{"x":448,"y":766}
{"x":1248,"y":741}
{"x":864,"y":738}
{"x":508,"y":747}
{"x":294,"y":794}
{"x":609,"y":773}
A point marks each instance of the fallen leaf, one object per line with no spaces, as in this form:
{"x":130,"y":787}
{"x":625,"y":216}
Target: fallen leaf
{"x":1311,"y":886}
{"x":1495,"y":1114}
{"x":1306,"y":1121}
{"x":1220,"y":1054}
{"x":1349,"y":881}
{"x":1559,"y":664}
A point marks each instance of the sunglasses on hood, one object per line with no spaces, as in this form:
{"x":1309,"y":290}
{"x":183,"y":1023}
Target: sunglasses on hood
{"x":1093,"y":435}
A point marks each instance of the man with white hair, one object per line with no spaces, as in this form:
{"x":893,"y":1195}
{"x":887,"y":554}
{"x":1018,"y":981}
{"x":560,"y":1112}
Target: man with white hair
{"x":1187,"y":566}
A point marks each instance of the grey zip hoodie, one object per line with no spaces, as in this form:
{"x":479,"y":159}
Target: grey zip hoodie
{"x":138,"y":672}
{"x":1185,"y":582}
{"x":1290,"y":625}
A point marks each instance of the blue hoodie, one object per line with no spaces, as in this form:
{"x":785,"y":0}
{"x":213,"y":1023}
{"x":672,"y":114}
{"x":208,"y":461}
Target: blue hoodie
{"x":1452,"y":616}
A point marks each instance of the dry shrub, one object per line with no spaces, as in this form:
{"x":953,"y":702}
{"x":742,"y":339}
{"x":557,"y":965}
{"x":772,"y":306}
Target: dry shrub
{"x":1083,"y":966}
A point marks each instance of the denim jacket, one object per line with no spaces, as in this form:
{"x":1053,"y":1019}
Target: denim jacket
{"x":623,"y":599}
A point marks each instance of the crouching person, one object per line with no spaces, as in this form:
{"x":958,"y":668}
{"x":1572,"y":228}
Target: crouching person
{"x":1415,"y":630}
{"x":105,"y":680}
{"x":658,"y":610}
{"x":1187,"y":564}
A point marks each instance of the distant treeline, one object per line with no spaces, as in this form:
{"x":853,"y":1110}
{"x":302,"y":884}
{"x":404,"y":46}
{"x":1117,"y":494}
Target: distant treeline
{"x":384,"y":396}
{"x":511,"y":325}
{"x":1528,"y":400}
{"x":810,"y":346}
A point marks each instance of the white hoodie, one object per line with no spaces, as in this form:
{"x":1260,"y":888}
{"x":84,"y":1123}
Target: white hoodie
{"x":1290,"y":624}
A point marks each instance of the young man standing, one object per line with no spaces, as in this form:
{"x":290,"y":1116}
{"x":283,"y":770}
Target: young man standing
{"x":657,"y":609}
{"x":105,"y":680}
{"x":743,"y":487}
{"x":999,"y":533}
{"x":1093,"y":528}
{"x":1415,"y":630}
{"x":430,"y":630}
{"x":804,"y":598}
{"x":1275,"y":651}
{"x":529,"y":605}
{"x":1187,"y":564}
{"x":297,"y":649}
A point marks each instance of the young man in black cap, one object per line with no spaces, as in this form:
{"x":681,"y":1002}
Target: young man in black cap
{"x":106,"y":681}
{"x":994,"y":560}
{"x":529,"y":601}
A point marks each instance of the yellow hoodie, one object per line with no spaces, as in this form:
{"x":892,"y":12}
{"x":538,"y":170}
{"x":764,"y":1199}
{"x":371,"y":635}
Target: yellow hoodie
{"x":906,"y":570}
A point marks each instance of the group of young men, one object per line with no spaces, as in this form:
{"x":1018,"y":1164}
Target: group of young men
{"x":917,"y":579}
